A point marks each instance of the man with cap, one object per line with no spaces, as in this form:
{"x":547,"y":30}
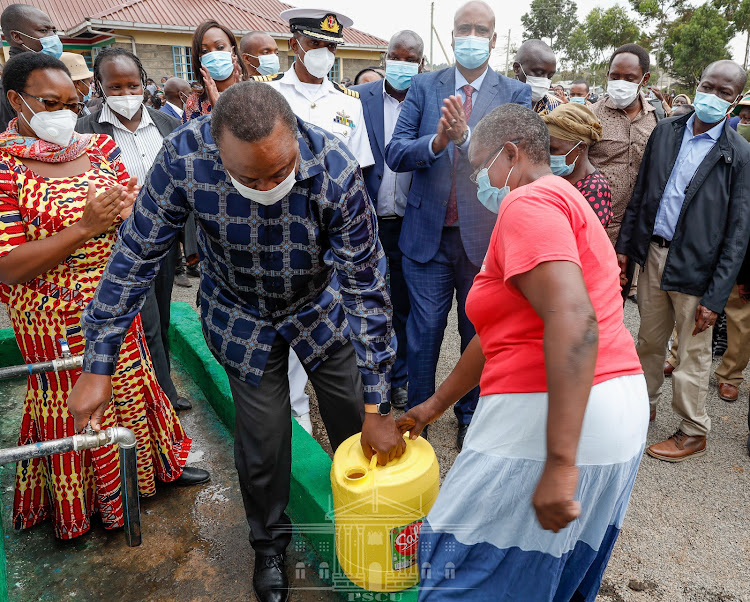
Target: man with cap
{"x":81,"y":76}
{"x":26,"y":29}
{"x":313,"y":97}
{"x":259,"y":52}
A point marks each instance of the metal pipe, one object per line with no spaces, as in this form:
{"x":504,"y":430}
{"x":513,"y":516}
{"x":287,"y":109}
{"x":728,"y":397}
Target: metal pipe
{"x":57,"y":365}
{"x":128,"y":469}
{"x":129,"y":484}
{"x":90,"y":29}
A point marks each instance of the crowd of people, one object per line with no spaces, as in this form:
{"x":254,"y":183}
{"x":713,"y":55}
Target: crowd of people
{"x":331,"y":227}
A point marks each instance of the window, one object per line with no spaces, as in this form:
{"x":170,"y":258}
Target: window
{"x":335,"y":73}
{"x":182,"y":61}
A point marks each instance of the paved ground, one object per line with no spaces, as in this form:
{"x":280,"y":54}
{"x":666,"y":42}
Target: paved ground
{"x":686,"y":536}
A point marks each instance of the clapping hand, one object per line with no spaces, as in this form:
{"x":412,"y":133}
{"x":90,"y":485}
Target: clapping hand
{"x":452,"y":125}
{"x":131,"y":193}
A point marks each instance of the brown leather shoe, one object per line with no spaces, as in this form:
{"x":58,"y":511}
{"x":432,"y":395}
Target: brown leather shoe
{"x":728,"y":392}
{"x":668,"y":369}
{"x":678,"y":447}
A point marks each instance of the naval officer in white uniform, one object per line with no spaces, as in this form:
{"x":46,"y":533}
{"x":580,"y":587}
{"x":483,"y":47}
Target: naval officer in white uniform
{"x":316,"y":35}
{"x":314,"y":98}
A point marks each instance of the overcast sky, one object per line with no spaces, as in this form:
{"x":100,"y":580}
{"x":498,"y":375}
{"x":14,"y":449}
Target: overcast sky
{"x":385,"y":17}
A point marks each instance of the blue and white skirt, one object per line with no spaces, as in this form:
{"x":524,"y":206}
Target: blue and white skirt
{"x":482,"y":540}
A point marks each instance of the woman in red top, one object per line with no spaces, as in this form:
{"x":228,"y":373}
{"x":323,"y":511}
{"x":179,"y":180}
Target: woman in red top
{"x":573,"y":128}
{"x":534,"y":502}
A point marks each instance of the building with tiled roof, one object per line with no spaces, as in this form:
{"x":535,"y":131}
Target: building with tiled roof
{"x":160,"y":31}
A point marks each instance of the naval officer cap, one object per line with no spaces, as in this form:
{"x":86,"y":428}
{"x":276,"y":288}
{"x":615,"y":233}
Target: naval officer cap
{"x":318,"y":24}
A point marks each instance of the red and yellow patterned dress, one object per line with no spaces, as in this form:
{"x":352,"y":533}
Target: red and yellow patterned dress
{"x":70,"y":487}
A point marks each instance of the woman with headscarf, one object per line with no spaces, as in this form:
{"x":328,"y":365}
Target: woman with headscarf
{"x":573,"y":128}
{"x":63,"y":196}
{"x":215,"y":65}
{"x":680,"y":99}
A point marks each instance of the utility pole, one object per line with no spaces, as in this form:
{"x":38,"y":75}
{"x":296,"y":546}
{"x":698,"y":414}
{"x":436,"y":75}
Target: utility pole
{"x":432,"y":28}
{"x":507,"y":54}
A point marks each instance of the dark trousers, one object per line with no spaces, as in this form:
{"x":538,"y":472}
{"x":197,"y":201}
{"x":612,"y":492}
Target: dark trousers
{"x":155,"y":315}
{"x":390,"y":231}
{"x":263,"y":435}
{"x":431,"y":287}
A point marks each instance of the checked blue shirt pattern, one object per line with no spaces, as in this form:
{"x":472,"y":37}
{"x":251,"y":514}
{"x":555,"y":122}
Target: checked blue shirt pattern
{"x":309,"y":268}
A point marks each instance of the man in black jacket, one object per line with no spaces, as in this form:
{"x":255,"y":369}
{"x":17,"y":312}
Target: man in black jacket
{"x":687,"y":226}
{"x":139,"y":132}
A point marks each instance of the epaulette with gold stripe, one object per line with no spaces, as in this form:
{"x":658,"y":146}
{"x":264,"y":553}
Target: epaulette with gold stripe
{"x":267,"y":78}
{"x":346,"y":90}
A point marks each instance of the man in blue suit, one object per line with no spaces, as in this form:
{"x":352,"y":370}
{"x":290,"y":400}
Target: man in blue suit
{"x":446,"y":230}
{"x":176,"y":92}
{"x":382,"y":102}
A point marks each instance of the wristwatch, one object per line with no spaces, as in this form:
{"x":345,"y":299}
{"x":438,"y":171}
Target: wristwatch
{"x":383,"y":408}
{"x":464,"y":136}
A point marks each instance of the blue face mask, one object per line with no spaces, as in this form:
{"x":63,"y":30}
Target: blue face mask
{"x":268,"y":64}
{"x":471,"y":51}
{"x":710,"y":108}
{"x":578,"y":99}
{"x":489,"y":195}
{"x":51,"y":44}
{"x":559,"y":166}
{"x":219,"y":64}
{"x":399,"y":73}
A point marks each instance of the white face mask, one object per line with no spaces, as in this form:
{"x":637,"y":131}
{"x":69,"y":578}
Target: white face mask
{"x":622,"y":92}
{"x":267,"y":197}
{"x":539,"y":86}
{"x":56,"y":127}
{"x":127,"y":106}
{"x":318,"y":62}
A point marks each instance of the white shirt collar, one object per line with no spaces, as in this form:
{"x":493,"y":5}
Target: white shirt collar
{"x":476,"y":84}
{"x":177,"y":109}
{"x":290,"y":77}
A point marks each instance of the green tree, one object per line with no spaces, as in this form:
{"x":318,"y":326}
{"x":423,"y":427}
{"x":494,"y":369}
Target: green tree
{"x":579,"y":53}
{"x":741,"y":22}
{"x":552,"y":21}
{"x":694,"y":40}
{"x":608,"y":29}
{"x":656,"y":17}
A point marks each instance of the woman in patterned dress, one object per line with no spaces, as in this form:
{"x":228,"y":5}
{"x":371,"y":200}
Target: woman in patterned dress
{"x":62,"y":197}
{"x":211,"y":37}
{"x":573,"y":128}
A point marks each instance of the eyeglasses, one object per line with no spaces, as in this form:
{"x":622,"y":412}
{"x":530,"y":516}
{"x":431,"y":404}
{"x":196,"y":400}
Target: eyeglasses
{"x":473,"y":177}
{"x":56,"y":105}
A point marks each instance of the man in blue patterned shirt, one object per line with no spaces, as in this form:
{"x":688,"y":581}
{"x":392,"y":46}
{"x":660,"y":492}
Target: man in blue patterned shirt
{"x":290,"y":257}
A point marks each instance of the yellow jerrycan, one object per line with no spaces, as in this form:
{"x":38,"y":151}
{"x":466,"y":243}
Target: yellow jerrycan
{"x":379,"y":512}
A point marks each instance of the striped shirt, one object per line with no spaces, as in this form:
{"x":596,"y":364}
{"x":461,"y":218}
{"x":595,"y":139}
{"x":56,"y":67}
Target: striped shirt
{"x":139,"y":148}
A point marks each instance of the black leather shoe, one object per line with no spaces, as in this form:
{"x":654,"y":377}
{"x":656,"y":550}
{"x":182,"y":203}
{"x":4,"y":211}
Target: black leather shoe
{"x":192,"y":476}
{"x":269,"y":578}
{"x":425,"y":433}
{"x":181,"y":404}
{"x":462,"y":428}
{"x":399,"y":397}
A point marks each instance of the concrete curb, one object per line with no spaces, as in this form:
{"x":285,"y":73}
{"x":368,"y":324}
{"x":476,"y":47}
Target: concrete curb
{"x":310,"y":494}
{"x":10,"y":355}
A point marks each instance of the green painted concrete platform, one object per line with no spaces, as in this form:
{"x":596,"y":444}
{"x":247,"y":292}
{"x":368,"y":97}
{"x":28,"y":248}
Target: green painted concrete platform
{"x":310,"y":495}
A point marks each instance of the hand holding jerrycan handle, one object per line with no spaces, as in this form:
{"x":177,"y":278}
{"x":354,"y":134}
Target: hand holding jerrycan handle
{"x":379,"y":512}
